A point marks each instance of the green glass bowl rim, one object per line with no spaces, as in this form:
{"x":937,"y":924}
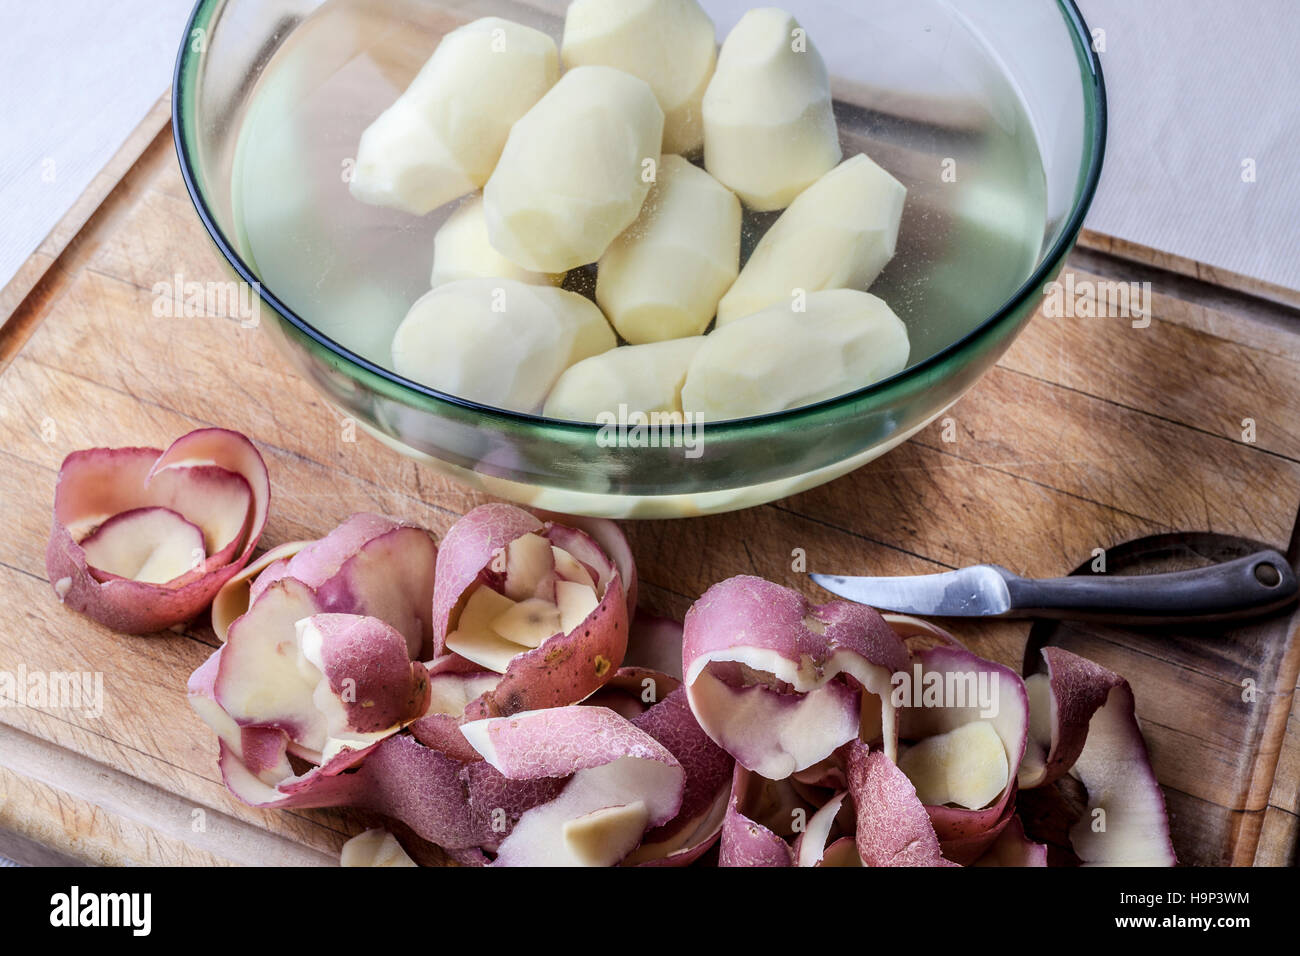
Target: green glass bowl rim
{"x":402,"y":389}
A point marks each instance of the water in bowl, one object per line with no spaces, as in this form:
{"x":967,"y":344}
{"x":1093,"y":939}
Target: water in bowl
{"x":936,"y":111}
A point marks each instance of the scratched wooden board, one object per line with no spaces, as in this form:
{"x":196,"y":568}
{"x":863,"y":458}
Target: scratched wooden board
{"x":1087,"y":434}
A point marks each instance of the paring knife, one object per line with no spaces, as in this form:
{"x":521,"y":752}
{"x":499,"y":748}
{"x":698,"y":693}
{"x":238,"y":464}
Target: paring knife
{"x":1245,"y":587}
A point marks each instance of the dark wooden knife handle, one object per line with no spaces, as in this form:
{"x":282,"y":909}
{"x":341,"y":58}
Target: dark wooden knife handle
{"x":1246,"y":587}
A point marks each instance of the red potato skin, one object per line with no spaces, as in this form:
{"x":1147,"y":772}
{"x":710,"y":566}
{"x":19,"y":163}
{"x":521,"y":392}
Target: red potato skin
{"x":235,"y":453}
{"x":1080,"y":688}
{"x":750,"y":612}
{"x":387,"y":558}
{"x":274,"y":614}
{"x":318,"y":561}
{"x":370,"y":566}
{"x":708,"y":767}
{"x":744,"y":842}
{"x":398,"y":777}
{"x":609,"y":536}
{"x":363,"y":660}
{"x":797,"y":847}
{"x":128,"y":607}
{"x":325,"y":786}
{"x":623,"y":692}
{"x":565,"y":668}
{"x":965,"y":840}
{"x":669,"y":720}
{"x":1118,"y":713}
{"x":1013,"y":848}
{"x":491,"y":793}
{"x":238,"y":594}
{"x":275,"y":569}
{"x":454,"y":805}
{"x":442,"y":731}
{"x":108,"y":481}
{"x":360,"y":548}
{"x":685,"y":857}
{"x":965,"y":834}
{"x":101,"y":481}
{"x":179,"y":524}
{"x":169,"y":487}
{"x":561,"y":741}
{"x":424,"y":789}
{"x":460,"y":806}
{"x":467,"y":549}
{"x":372,"y":656}
{"x":829,"y":774}
{"x":262,"y":748}
{"x":893,"y":829}
{"x":433,"y":781}
{"x":771,"y":616}
{"x":1083,"y":692}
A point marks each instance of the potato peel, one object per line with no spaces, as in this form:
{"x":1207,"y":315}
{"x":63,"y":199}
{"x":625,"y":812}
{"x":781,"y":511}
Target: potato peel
{"x":967,"y":832}
{"x":893,"y":828}
{"x":857,"y":807}
{"x":777,"y":682}
{"x":568,"y":666}
{"x":370,"y":566}
{"x":610,"y":764}
{"x":1013,"y":848}
{"x":342,"y":659}
{"x":708,"y":768}
{"x":746,"y":842}
{"x":1092,"y":732}
{"x":212,"y":480}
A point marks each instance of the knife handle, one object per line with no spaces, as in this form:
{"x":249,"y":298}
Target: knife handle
{"x":1245,"y":587}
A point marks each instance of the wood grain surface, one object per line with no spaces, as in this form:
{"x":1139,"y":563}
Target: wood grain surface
{"x":1089,"y":433}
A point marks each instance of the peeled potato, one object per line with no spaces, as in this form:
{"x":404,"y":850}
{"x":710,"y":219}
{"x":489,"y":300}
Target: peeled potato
{"x":662,"y":278}
{"x":443,"y":136}
{"x":461,"y":251}
{"x":769,"y":127}
{"x":840,"y":233}
{"x":575,"y":170}
{"x":670,"y":44}
{"x":781,"y":358}
{"x":498,"y":341}
{"x":645,"y":378}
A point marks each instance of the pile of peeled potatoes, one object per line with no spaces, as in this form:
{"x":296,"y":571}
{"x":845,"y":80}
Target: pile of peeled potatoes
{"x":641,"y":163}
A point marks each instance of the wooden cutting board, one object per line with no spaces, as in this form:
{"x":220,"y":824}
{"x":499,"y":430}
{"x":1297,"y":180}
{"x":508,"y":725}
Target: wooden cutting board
{"x":1088,"y":434}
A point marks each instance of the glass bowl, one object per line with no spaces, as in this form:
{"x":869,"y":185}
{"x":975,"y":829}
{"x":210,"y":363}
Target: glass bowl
{"x":991,"y":112}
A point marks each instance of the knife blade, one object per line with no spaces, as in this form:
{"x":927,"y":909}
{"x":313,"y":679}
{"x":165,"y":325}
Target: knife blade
{"x":978,"y":591}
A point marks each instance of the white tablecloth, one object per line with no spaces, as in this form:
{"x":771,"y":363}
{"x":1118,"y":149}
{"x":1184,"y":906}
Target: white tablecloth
{"x":1204,"y":98}
{"x":76,"y":77}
